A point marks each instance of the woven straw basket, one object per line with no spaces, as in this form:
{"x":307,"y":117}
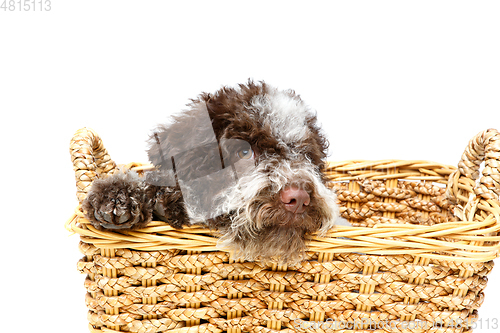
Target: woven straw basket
{"x":422,"y":243}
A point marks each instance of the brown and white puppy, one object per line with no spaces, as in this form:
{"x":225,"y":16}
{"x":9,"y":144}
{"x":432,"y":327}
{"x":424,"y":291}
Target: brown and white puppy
{"x":246,"y":161}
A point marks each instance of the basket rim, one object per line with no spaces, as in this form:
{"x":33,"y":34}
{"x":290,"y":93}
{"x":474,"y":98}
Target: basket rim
{"x":475,"y":194}
{"x":382,"y":239}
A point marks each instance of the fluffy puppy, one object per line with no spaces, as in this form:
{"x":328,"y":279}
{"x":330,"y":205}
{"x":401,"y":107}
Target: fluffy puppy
{"x":246,"y":161}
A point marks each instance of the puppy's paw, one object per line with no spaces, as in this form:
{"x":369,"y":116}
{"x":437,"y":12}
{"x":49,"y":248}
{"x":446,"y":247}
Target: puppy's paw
{"x":118,"y":202}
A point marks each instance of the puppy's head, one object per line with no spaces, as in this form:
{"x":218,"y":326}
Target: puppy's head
{"x":248,"y":161}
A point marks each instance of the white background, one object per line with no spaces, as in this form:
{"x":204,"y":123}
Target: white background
{"x":389,"y":79}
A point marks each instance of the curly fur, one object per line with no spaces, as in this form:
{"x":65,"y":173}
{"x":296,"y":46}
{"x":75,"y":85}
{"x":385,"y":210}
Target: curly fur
{"x":243,"y":199}
{"x":260,"y":227}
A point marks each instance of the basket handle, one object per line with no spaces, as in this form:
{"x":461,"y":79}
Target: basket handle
{"x":484,"y":147}
{"x":90,"y":160}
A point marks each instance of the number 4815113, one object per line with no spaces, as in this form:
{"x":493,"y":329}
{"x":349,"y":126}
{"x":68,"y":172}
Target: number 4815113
{"x":26,"y":5}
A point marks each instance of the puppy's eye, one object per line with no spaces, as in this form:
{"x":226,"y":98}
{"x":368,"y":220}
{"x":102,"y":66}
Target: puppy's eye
{"x":245,"y":153}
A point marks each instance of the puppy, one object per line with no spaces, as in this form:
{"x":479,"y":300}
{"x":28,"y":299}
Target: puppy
{"x":245,"y":161}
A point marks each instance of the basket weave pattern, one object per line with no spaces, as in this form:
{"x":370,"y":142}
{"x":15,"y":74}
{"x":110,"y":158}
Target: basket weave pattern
{"x":422,"y":243}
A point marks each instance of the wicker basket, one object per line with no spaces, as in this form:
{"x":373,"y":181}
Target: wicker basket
{"x":422,"y":243}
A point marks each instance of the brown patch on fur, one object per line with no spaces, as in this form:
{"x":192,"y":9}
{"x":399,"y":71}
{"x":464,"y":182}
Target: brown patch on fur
{"x":232,"y":117}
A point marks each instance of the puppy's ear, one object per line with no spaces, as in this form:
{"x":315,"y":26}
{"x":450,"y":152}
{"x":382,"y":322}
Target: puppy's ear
{"x":316,"y":145}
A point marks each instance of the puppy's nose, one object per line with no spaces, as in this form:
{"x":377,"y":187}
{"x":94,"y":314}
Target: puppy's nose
{"x":294,"y":199}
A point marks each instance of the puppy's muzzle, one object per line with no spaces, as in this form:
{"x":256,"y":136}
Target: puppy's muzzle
{"x":295,"y":199}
